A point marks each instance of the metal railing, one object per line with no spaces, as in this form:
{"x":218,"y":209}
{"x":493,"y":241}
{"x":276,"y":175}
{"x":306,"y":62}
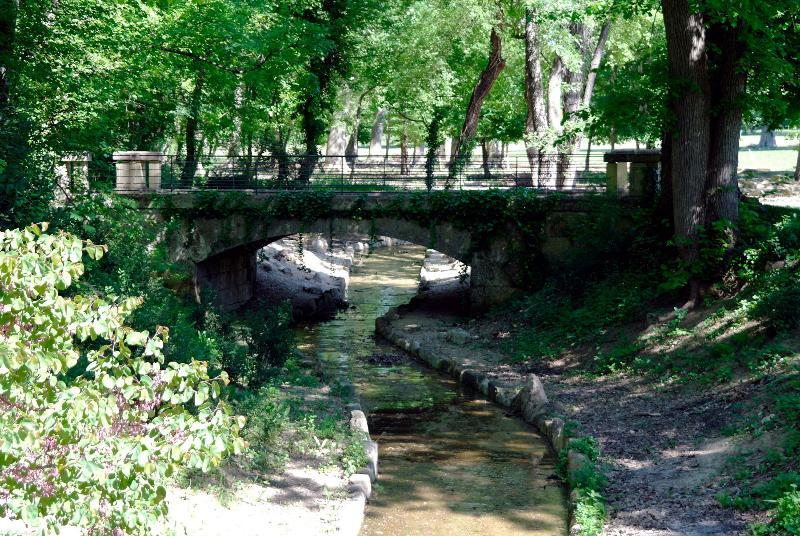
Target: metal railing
{"x":571,"y":173}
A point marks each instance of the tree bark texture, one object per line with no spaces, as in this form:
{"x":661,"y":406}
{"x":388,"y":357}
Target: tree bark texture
{"x":192,"y":120}
{"x":728,"y":81}
{"x":536,"y":119}
{"x":486,"y":153}
{"x":594,"y":65}
{"x":687,"y":58}
{"x":376,"y":144}
{"x":797,"y":166}
{"x":404,"y":164}
{"x":487,"y":79}
{"x":767,"y":139}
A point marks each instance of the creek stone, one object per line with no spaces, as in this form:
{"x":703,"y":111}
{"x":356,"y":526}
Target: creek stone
{"x":458,"y":336}
{"x":577,"y":464}
{"x":531,"y":401}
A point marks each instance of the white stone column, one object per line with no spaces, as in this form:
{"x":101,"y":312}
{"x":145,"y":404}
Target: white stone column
{"x":138,"y":171}
{"x":72,"y":175}
{"x":617,"y":175}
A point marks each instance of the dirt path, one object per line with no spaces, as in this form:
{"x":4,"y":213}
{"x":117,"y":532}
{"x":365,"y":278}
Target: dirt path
{"x":662,"y":447}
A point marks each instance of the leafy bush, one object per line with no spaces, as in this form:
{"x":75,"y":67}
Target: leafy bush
{"x":786,"y":516}
{"x":92,"y":448}
{"x":251,"y":347}
{"x":776,"y":298}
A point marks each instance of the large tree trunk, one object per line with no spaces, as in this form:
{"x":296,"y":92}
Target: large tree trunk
{"x":376,"y":144}
{"x":664,"y":207}
{"x":352,"y":144}
{"x":797,"y":166}
{"x":767,"y":139}
{"x":687,"y":57}
{"x":487,"y":79}
{"x":574,"y":80}
{"x":433,"y":139}
{"x":548,"y":169}
{"x":536,"y":119}
{"x":580,"y":89}
{"x":727,"y":90}
{"x":192,"y":120}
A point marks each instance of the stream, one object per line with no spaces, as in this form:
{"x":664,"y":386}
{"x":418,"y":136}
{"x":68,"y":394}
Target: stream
{"x":450,"y":462}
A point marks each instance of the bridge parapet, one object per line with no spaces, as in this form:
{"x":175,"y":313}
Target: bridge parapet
{"x":138,"y":170}
{"x":637,"y":180}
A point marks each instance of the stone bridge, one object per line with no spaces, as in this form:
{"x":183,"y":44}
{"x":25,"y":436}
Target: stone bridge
{"x":510,"y":238}
{"x":217,"y":235}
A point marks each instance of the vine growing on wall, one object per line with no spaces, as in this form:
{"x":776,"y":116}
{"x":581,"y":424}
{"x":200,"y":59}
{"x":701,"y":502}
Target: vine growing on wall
{"x":517,"y":215}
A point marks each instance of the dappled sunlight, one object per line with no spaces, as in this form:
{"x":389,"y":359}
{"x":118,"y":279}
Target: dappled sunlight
{"x":449,"y":464}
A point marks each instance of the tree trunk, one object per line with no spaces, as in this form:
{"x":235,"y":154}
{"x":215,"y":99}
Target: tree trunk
{"x":580,"y":89}
{"x":352,"y":144}
{"x":433,"y":140}
{"x":312,"y":111}
{"x":548,"y":170}
{"x":597,"y":59}
{"x":487,"y":155}
{"x":192,"y":119}
{"x":727,"y":91}
{"x":767,"y":139}
{"x":404,"y":167}
{"x":482,"y":88}
{"x":536,"y":119}
{"x":687,"y":58}
{"x":376,"y":144}
{"x":235,"y":143}
{"x":797,"y":166}
{"x":664,"y":207}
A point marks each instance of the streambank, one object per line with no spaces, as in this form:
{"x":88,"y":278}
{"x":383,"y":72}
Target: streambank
{"x":444,"y":451}
{"x":662,"y":449}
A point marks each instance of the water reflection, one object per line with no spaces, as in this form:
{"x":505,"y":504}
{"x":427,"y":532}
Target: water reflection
{"x":450,"y":463}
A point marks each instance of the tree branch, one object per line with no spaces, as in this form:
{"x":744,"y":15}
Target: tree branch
{"x":262,"y":60}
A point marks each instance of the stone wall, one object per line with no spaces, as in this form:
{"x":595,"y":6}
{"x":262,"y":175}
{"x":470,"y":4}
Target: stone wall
{"x":230,"y":277}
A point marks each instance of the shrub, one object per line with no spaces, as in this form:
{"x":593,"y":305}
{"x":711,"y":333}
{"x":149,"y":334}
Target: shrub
{"x":91,"y":448}
{"x":776,"y":299}
{"x":786,"y":516}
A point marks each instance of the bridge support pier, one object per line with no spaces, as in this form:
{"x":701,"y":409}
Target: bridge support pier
{"x":490,"y":284}
{"x":230,"y":277}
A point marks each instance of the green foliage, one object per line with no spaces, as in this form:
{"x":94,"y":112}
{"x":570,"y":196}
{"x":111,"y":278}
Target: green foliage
{"x":786,"y":516}
{"x":587,"y":483}
{"x":590,"y":513}
{"x":92,"y":449}
{"x":251,"y":347}
{"x":562,"y":315}
{"x":280,"y":425}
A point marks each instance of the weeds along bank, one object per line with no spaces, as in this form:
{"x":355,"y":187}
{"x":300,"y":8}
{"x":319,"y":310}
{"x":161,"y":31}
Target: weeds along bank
{"x":690,"y":415}
{"x":146,"y":387}
{"x":707,"y":399}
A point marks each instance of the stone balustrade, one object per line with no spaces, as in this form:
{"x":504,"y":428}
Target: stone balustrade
{"x":632,"y":172}
{"x":72,"y":175}
{"x":138,"y":170}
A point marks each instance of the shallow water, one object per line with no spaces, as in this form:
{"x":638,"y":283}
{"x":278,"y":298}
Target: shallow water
{"x":450,"y":462}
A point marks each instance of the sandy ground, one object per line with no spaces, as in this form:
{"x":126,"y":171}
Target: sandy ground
{"x":308,"y":496}
{"x":301,"y":500}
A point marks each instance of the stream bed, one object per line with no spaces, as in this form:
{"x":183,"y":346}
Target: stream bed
{"x":450,"y":462}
